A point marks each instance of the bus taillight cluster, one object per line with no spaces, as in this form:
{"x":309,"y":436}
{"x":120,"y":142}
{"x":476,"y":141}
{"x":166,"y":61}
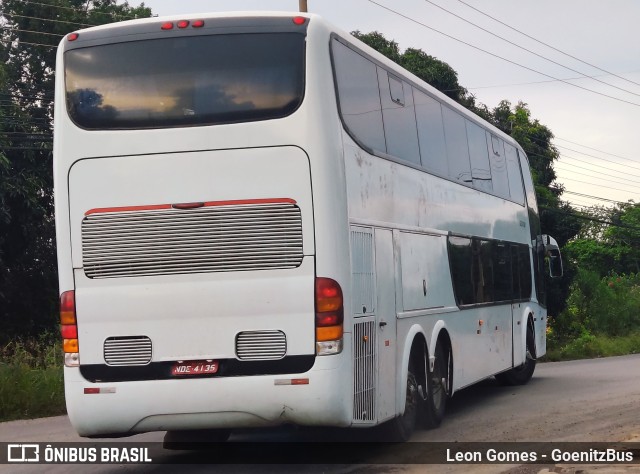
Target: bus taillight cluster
{"x":168,"y":25}
{"x":69,"y":328}
{"x":329,"y":316}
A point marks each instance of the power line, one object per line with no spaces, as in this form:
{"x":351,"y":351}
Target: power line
{"x":528,"y":50}
{"x":601,"y":185}
{"x":592,"y":219}
{"x":595,"y":149}
{"x":31,"y":44}
{"x":608,"y":168}
{"x":27,"y":148}
{"x":529,"y":83}
{"x":593,"y":197}
{"x":592,"y":176}
{"x":548,"y":45}
{"x":50,"y":19}
{"x":8,"y":28}
{"x":113,"y":15}
{"x":500,"y":57}
{"x":600,"y":158}
{"x":541,"y":142}
{"x":626,"y":173}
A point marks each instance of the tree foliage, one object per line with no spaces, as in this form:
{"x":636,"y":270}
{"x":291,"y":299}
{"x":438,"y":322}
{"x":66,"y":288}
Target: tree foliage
{"x":609,"y":241}
{"x":30,"y":32}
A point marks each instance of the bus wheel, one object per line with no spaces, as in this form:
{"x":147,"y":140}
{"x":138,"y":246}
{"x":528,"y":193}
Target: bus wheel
{"x":194,"y":440}
{"x":438,"y":388}
{"x":522,"y":374}
{"x":401,"y":428}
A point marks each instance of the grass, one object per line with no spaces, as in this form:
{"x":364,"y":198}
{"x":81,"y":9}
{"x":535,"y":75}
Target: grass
{"x":589,"y":346}
{"x":31,"y":380}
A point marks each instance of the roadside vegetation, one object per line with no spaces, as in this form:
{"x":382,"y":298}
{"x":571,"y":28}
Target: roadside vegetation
{"x":31,"y":383}
{"x":602,"y":318}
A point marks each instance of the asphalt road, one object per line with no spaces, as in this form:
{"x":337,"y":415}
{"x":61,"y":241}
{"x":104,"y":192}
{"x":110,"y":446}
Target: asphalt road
{"x":588,"y":400}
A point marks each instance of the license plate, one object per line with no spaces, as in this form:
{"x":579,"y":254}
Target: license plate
{"x":197,"y":367}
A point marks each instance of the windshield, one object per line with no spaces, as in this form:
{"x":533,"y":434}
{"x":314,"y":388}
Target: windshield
{"x":185,"y":81}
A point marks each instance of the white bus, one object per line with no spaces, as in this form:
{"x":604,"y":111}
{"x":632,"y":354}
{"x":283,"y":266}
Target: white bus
{"x":262,"y":221}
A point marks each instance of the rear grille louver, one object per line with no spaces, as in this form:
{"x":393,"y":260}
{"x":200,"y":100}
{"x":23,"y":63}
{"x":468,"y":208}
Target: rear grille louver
{"x":127,"y":350}
{"x":261,"y":345}
{"x":219,"y":238}
{"x":364,"y":377}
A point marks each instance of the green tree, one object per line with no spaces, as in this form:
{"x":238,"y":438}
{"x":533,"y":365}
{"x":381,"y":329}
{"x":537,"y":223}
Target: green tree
{"x":624,"y":237}
{"x":609,"y":240}
{"x":433,"y":71}
{"x":29,"y":33}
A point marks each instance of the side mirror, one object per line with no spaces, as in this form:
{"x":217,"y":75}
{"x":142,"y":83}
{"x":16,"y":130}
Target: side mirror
{"x":552,"y":251}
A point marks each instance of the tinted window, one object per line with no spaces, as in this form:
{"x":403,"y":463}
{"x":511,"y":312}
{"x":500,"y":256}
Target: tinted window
{"x":399,"y":118}
{"x":515,"y":177}
{"x":433,"y":150}
{"x":521,"y":272}
{"x":502,"y":272}
{"x":457,"y":149}
{"x":357,"y":82}
{"x":460,"y":258}
{"x":489,"y":271}
{"x":198,"y":80}
{"x":500,"y":179}
{"x":483,"y":271}
{"x":479,"y":155}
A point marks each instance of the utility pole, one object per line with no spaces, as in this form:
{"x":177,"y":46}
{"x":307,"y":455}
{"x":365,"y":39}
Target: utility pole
{"x":303,"y":5}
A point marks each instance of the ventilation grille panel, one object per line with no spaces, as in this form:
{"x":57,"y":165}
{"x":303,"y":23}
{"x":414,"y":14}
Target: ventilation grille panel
{"x":261,"y":345}
{"x":129,"y":350}
{"x":217,"y":238}
{"x":364,"y":377}
{"x":362,"y":275}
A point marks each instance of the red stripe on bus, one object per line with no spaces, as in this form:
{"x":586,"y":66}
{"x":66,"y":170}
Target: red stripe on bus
{"x":206,"y":204}
{"x":127,"y":208}
{"x":250,"y":201}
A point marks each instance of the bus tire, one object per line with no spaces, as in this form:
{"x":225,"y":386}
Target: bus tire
{"x":401,"y":428}
{"x":438,"y":388}
{"x":522,"y":374}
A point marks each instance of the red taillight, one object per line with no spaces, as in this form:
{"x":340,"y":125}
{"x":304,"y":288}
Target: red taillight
{"x":183,"y":23}
{"x":69,"y":331}
{"x":329,"y":310}
{"x":73,"y":36}
{"x":167,"y":26}
{"x":329,"y":319}
{"x":299,"y":20}
{"x":197,"y":24}
{"x":69,"y":328}
{"x":68,"y":307}
{"x":328,"y":295}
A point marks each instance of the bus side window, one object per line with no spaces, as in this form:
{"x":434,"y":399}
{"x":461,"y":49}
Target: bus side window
{"x":457,"y":147}
{"x":515,"y":176}
{"x":502,"y":273}
{"x":399,"y":118}
{"x":433,"y":150}
{"x":483,"y":271}
{"x":500,"y":179}
{"x":359,"y":97}
{"x":478,"y":152}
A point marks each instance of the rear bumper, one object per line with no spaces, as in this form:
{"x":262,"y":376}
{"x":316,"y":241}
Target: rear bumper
{"x":218,"y":402}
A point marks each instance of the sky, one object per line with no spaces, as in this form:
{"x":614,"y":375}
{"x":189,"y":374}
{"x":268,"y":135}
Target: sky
{"x":598,"y":136}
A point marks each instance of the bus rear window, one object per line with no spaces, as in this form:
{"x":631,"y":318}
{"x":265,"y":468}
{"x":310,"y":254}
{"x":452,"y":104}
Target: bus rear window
{"x":185,"y":81}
